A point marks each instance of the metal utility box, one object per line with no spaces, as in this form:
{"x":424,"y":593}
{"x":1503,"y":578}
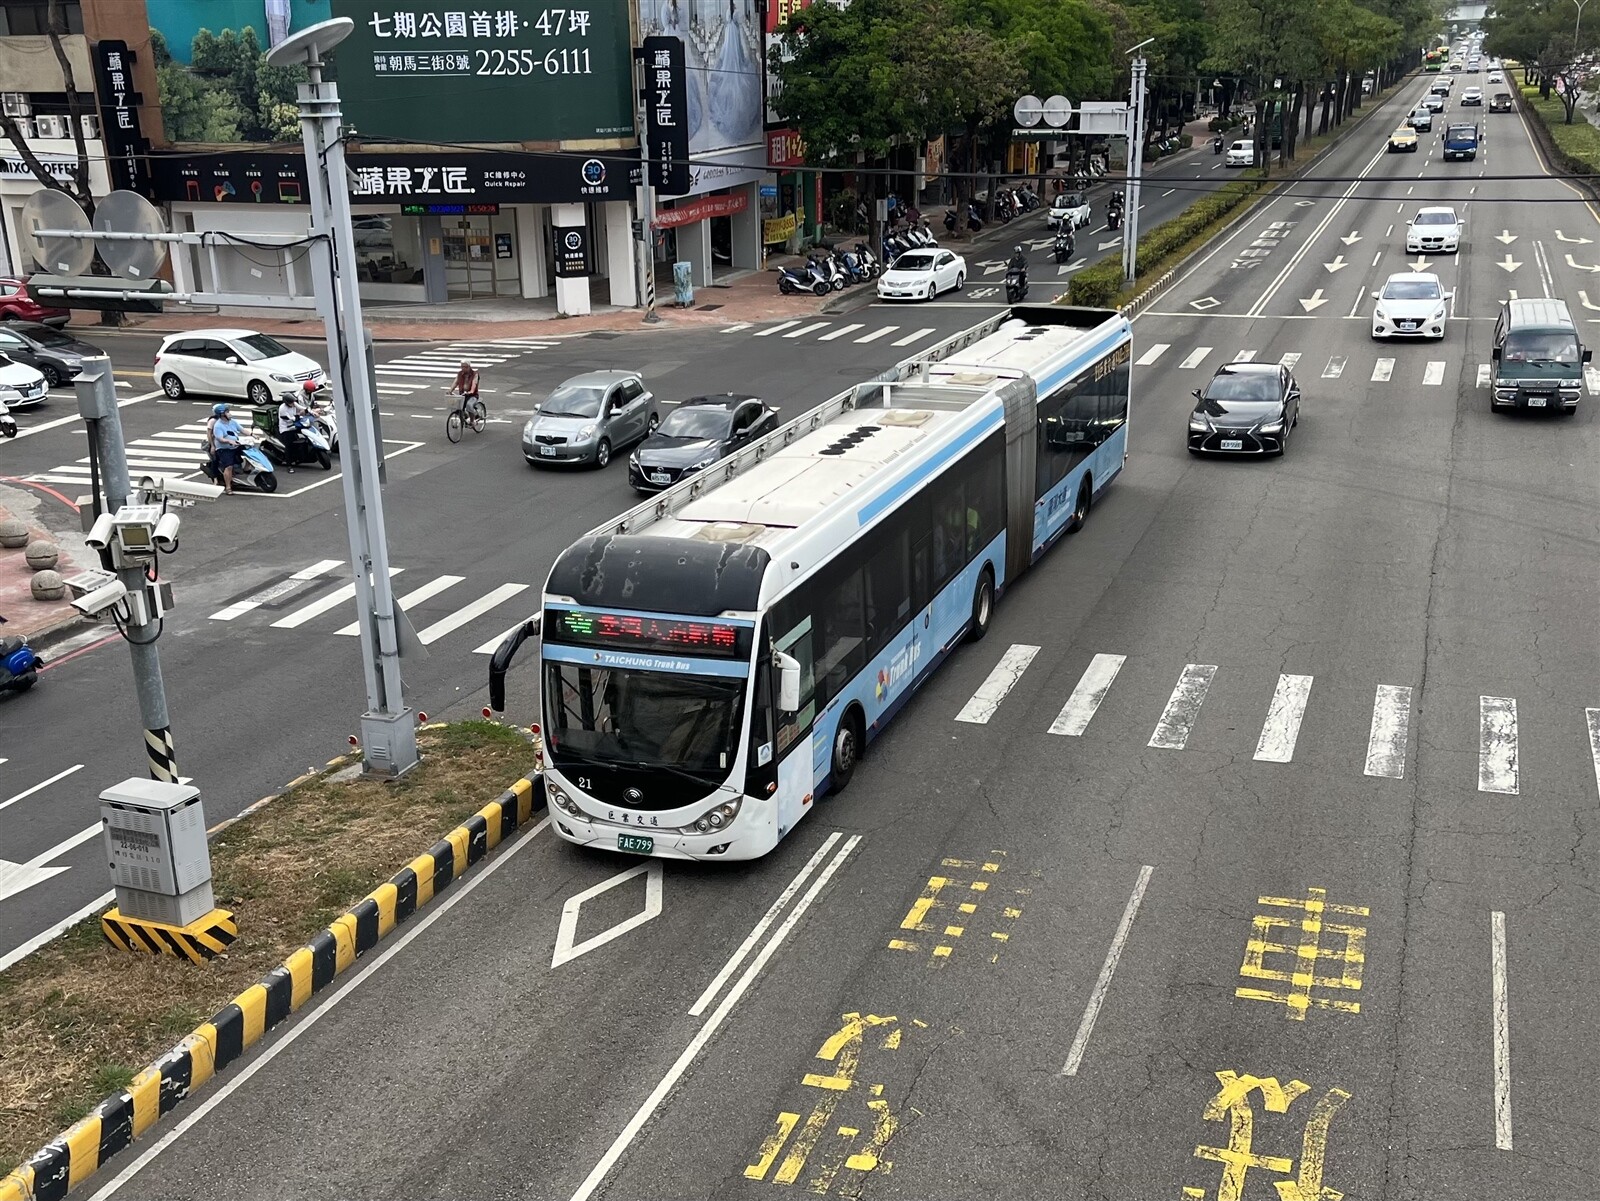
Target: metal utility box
{"x":155,"y":840}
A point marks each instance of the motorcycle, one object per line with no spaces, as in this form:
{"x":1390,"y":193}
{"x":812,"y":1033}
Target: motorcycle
{"x":324,"y":418}
{"x":1016,"y":284}
{"x":868,"y":260}
{"x":801,"y":279}
{"x":828,"y":265}
{"x":1114,"y":219}
{"x":974,"y":218}
{"x":8,"y":423}
{"x":950,"y":222}
{"x":253,"y":471}
{"x":19,"y":664}
{"x":1063,"y":247}
{"x":1030,"y":198}
{"x":854,"y":271}
{"x":310,"y":447}
{"x":1216,"y":144}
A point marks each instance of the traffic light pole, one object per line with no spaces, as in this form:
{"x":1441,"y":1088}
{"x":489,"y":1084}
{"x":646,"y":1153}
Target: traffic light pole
{"x":388,"y":729}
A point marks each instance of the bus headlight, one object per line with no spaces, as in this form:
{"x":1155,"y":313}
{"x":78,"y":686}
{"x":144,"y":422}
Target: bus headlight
{"x":718,"y":818}
{"x":563,"y":802}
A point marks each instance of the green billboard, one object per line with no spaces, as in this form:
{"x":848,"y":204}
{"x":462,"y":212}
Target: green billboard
{"x":452,"y":71}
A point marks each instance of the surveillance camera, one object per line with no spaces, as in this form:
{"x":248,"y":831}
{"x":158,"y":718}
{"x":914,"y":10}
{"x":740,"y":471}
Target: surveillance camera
{"x":101,"y":599}
{"x":87,"y":582}
{"x":99,"y":536}
{"x":166,"y":532}
{"x":170,"y":487}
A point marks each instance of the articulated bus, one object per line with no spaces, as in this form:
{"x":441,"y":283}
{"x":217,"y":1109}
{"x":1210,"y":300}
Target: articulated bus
{"x":716,"y":661}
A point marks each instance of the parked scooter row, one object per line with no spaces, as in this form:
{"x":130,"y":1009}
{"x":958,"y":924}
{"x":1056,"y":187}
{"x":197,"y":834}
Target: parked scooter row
{"x":830,"y":271}
{"x":974,"y":220}
{"x":914,"y":235}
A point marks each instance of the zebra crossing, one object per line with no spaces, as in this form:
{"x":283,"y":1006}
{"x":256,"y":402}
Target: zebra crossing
{"x":832,"y":331}
{"x":303,"y":601}
{"x":171,"y":452}
{"x":1427,"y":372}
{"x":436,"y":367}
{"x":1385,"y":756}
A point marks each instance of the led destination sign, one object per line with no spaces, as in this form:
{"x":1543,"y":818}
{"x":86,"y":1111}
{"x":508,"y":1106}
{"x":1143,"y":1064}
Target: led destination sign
{"x":641,"y":632}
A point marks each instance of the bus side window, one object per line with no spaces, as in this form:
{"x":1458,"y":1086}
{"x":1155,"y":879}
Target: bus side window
{"x":797,"y":642}
{"x":985,"y":502}
{"x":949,"y":532}
{"x":842,"y":648}
{"x":888,"y":591}
{"x":761,"y":727}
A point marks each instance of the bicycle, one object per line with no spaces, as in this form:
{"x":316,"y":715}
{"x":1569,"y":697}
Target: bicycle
{"x":471,"y":412}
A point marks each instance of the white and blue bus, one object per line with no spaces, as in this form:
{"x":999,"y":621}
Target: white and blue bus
{"x":717,"y":661}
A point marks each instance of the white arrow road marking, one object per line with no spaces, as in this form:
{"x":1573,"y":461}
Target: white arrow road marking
{"x":1483,"y":375}
{"x":1351,"y":238}
{"x":1419,"y":264}
{"x":1506,"y":236}
{"x":993,"y":266}
{"x":1068,"y":268}
{"x":1511,"y":264}
{"x":1335,"y":367}
{"x":1315,"y":301}
{"x":1194,"y":358}
{"x":1338,"y":264}
{"x":1584,"y":296}
{"x":1110,"y":244}
{"x":566,"y":950}
{"x":1580,"y":266}
{"x":1382,"y":371}
{"x":19,"y":877}
{"x":1151,"y":355}
{"x":1041,"y":243}
{"x":1433,"y":374}
{"x":1561,"y":237}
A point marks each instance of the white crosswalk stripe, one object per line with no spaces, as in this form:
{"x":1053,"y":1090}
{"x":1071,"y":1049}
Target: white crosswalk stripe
{"x":841,"y":332}
{"x":1151,"y":355}
{"x":1497,"y":745}
{"x":914,"y":336}
{"x":1335,"y":367}
{"x":490,"y":600}
{"x":322,"y":604}
{"x":1391,"y":727}
{"x":1092,"y":687}
{"x":1382,"y":370}
{"x":981,"y":707}
{"x":415,"y":597}
{"x":1433,"y":374}
{"x":1245,"y":356}
{"x":878,"y":333}
{"x":1183,"y":707}
{"x":1483,"y":375}
{"x":1290,"y":360}
{"x":1284,"y":716}
{"x":1194,"y":358}
{"x":773,"y":329}
{"x":171,"y":452}
{"x":808,"y":329}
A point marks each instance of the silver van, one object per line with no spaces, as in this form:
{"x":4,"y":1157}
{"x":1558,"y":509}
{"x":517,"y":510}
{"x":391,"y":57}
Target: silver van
{"x":1538,"y":357}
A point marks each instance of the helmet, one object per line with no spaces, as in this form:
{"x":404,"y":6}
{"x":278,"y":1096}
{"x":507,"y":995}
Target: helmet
{"x":1016,"y":250}
{"x":310,"y":385}
{"x":219,"y":410}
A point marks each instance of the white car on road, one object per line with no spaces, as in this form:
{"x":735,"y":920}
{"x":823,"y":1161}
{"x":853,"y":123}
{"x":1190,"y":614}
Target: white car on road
{"x":20,"y":384}
{"x":922,"y":275}
{"x":1241,"y":154}
{"x":1411,"y":304}
{"x":1434,"y":230}
{"x":1069,"y":208}
{"x":1472,"y":96}
{"x":232,"y":362}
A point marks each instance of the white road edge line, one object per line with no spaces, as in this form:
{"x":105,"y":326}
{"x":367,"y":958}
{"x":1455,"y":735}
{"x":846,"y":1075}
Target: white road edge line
{"x":267,"y":1056}
{"x":60,"y":775}
{"x":703,"y":1036}
{"x":1103,"y":985}
{"x":760,"y":927}
{"x":1502,"y":1033}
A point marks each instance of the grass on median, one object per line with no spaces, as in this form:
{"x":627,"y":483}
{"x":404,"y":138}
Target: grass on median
{"x":1578,"y":143}
{"x":79,"y":1018}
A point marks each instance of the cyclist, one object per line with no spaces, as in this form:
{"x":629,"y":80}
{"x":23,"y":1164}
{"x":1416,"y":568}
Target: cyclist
{"x":466,"y":385}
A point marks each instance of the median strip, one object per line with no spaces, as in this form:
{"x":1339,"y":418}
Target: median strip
{"x":304,"y":871}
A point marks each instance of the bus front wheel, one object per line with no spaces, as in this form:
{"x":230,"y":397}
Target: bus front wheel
{"x":982,"y":606}
{"x":848,"y":740}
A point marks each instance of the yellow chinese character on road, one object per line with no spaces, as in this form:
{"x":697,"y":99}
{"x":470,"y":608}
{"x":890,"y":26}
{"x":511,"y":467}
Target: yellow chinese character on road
{"x":1232,"y":1102}
{"x":948,"y":907}
{"x":850,"y":1149}
{"x":1303,"y":938}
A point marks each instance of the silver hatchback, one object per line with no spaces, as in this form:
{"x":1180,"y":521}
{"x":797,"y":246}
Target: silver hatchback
{"x":590,"y":417}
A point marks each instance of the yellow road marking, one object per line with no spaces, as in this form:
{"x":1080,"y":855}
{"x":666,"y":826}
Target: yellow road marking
{"x":769,"y":1149}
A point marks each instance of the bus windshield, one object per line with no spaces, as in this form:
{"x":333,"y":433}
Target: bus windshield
{"x":623,"y":717}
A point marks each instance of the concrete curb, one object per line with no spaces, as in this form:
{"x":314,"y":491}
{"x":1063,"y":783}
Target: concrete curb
{"x":77,"y":1153}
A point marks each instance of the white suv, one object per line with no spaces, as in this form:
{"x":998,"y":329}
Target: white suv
{"x":232,"y":362}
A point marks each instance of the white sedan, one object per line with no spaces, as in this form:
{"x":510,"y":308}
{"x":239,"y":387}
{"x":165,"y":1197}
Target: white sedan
{"x":232,"y":362}
{"x":1434,"y":230}
{"x":1411,"y":304}
{"x":922,"y":275}
{"x":20,"y":384}
{"x":1241,"y":154}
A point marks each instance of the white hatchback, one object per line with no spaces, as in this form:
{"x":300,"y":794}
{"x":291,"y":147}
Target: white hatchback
{"x":922,"y":275}
{"x":20,"y":384}
{"x":1411,"y":304}
{"x":232,"y":362}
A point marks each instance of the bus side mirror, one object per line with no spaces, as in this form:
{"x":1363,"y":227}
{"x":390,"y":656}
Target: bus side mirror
{"x":1587,"y":354}
{"x":788,"y":683}
{"x":1495,"y":354}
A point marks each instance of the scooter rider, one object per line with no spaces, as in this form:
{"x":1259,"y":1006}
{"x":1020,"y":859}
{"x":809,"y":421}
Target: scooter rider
{"x":293,"y":412}
{"x":226,"y":439}
{"x":1018,"y":262}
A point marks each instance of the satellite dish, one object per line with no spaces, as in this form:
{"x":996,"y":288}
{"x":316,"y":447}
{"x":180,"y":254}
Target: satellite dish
{"x":1028,"y":111}
{"x":311,"y":43}
{"x":124,"y":212}
{"x":49,"y":208}
{"x":1057,"y":111}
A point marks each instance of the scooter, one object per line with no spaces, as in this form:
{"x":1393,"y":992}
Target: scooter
{"x":801,"y":279}
{"x":253,"y":471}
{"x":950,"y":222}
{"x":1016,"y":284}
{"x":1063,"y":247}
{"x":869,"y":261}
{"x":19,"y":664}
{"x":1216,"y":144}
{"x":310,"y":447}
{"x":8,"y":423}
{"x":974,"y":218}
{"x":324,"y":418}
{"x":853,"y":269}
{"x":1114,"y":219}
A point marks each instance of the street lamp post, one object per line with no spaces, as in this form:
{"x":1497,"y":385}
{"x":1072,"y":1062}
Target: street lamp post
{"x":1578,"y":24}
{"x":1130,"y":229}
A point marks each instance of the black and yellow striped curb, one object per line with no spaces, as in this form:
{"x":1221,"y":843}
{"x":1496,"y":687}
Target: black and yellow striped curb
{"x":203,"y":939}
{"x":71,"y":1158}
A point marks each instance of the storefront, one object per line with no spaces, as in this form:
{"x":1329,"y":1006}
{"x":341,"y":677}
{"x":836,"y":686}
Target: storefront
{"x":713,"y":227}
{"x":429,"y":228}
{"x":791,"y":207}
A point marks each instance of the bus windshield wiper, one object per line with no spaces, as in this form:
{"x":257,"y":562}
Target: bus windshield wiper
{"x":645,"y":765}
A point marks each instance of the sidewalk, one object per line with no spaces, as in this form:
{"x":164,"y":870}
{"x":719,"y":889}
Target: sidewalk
{"x":36,"y":620}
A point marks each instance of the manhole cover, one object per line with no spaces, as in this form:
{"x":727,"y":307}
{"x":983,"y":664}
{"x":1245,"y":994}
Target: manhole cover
{"x":707,"y":308}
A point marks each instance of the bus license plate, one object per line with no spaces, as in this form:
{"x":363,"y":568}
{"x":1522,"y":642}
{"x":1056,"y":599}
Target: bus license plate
{"x":1232,"y":444}
{"x":630,"y":842}
{"x":1538,"y":402}
{"x":548,"y":450}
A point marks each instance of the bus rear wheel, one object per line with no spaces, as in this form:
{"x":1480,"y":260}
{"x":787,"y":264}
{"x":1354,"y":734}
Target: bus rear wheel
{"x":982,"y":607}
{"x":848,"y":740}
{"x":1080,"y":511}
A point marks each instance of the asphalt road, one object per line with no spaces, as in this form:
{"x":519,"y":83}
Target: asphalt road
{"x":475,"y":539}
{"x":1217,"y":947}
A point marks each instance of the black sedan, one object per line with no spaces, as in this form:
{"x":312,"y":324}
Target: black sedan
{"x":54,"y":353}
{"x":1246,"y":409}
{"x":695,"y":435}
